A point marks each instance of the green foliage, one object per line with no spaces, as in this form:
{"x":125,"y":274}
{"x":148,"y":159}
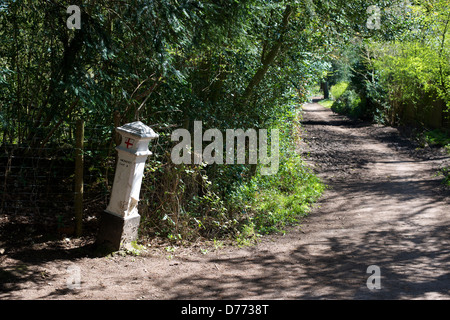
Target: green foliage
{"x":234,"y":202}
{"x":400,"y":75}
{"x":327,"y":103}
{"x":338,"y":89}
{"x":349,"y":102}
{"x":414,"y":76}
{"x":285,"y":197}
{"x":407,"y":80}
{"x":179,"y":203}
{"x":230,"y":64}
{"x":270,"y":203}
{"x":344,"y":99}
{"x":437,"y":137}
{"x":445,"y":172}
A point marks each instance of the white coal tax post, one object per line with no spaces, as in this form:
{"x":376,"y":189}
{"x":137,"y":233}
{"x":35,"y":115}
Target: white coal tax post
{"x":120,"y":221}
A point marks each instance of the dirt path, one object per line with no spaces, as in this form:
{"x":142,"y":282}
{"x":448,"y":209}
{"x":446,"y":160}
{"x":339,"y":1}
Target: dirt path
{"x":383,"y":208}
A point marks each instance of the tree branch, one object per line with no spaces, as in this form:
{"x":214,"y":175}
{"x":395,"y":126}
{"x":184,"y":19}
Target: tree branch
{"x":268,"y":59}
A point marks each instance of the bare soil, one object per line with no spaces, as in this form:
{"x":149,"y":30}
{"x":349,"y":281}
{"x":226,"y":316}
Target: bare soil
{"x":385,"y":206}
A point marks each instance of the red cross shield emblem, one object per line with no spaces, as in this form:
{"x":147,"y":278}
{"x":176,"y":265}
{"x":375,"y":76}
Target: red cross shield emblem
{"x":129,"y":142}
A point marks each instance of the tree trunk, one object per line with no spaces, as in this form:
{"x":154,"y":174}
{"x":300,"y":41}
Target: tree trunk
{"x":326,"y":91}
{"x":267,"y":60}
{"x":78,"y":201}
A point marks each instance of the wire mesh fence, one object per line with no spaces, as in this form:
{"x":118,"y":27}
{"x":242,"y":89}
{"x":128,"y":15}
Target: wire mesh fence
{"x":37,"y":181}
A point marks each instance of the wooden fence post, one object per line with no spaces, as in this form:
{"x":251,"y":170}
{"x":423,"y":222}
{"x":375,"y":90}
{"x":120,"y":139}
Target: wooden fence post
{"x":79,"y":163}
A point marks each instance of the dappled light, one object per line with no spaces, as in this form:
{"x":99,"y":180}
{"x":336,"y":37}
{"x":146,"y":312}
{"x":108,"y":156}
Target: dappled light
{"x":246,"y":149}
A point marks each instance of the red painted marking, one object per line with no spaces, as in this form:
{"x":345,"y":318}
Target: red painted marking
{"x":128,"y":143}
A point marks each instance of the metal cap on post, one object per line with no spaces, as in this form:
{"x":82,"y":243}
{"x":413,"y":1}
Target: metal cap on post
{"x":120,"y":220}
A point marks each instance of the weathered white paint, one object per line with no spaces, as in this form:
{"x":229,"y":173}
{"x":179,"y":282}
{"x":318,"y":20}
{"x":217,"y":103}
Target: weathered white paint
{"x":132,"y":154}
